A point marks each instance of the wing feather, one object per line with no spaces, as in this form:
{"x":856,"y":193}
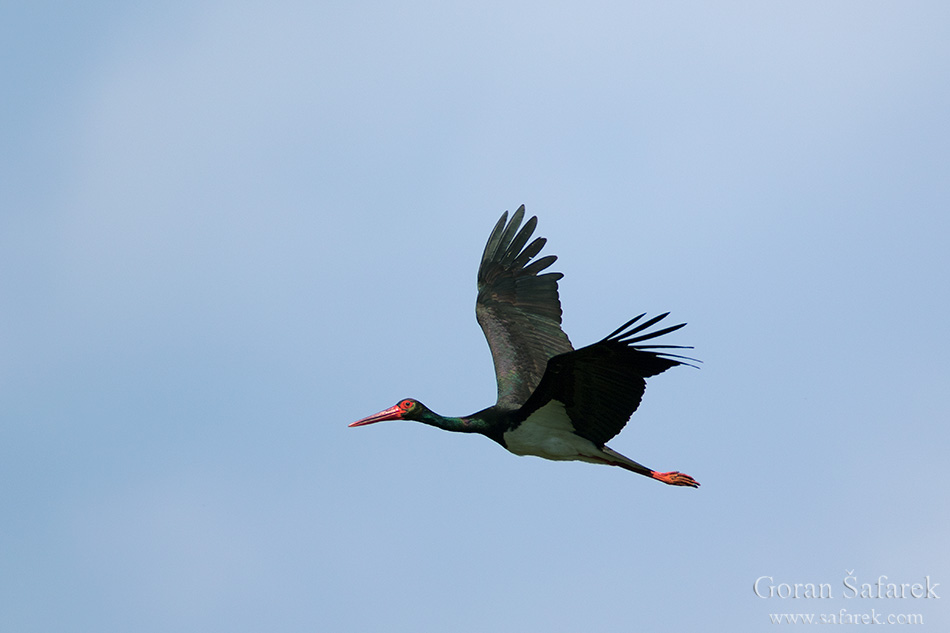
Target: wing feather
{"x":518,"y":309}
{"x":601,"y":385}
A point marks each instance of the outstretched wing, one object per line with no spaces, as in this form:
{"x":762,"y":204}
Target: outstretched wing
{"x":601,"y":385}
{"x":518,"y":308}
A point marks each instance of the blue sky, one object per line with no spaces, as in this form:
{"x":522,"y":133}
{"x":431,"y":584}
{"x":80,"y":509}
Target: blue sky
{"x":229,"y":229}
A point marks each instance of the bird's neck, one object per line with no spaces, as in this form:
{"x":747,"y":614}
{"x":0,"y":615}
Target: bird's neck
{"x":468,"y":424}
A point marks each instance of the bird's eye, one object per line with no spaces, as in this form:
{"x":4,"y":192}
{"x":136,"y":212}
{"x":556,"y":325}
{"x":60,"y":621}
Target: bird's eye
{"x":406,"y":404}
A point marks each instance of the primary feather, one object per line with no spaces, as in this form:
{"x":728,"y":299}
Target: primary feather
{"x":518,"y":309}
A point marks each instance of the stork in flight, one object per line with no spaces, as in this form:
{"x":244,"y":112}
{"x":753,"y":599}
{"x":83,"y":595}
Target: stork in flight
{"x":553,"y":401}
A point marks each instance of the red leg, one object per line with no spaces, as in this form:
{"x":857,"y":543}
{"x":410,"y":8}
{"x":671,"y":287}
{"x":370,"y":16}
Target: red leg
{"x":675,"y":478}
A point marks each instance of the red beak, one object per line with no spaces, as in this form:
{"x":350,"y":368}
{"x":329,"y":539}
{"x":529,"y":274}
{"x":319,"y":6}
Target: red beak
{"x":392,"y":413}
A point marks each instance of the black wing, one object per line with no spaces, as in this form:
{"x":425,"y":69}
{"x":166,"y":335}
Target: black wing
{"x":518,"y":309}
{"x":601,"y":384}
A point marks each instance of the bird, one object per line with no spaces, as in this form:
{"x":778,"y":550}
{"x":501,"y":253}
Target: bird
{"x":553,"y":402}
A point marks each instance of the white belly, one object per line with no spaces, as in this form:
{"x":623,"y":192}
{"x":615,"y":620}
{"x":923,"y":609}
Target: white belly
{"x":548,"y":433}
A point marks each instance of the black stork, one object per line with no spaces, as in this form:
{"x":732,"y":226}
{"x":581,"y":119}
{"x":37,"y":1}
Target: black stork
{"x":553,"y":401}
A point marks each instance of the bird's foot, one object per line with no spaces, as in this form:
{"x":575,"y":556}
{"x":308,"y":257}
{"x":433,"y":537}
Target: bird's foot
{"x":675,"y":479}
